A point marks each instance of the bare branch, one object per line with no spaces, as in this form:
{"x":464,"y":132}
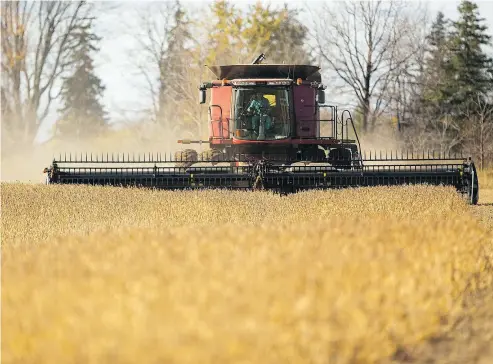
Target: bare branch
{"x":36,"y":44}
{"x":360,"y":42}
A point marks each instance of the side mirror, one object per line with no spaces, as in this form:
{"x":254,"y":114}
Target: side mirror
{"x":321,"y":96}
{"x":202,"y":96}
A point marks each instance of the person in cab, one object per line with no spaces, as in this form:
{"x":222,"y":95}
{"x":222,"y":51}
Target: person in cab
{"x":259,"y":108}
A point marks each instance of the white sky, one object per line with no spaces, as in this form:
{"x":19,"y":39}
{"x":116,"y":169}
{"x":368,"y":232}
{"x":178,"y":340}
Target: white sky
{"x":125,"y":96}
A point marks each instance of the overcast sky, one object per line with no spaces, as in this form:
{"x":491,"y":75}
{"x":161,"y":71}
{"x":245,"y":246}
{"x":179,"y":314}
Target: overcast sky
{"x":124,"y":96}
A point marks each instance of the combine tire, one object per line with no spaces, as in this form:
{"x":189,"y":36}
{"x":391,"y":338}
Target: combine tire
{"x":185,"y":158}
{"x":212,"y":155}
{"x":473,"y":187}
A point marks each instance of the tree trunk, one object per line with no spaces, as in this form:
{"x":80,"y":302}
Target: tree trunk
{"x":481,"y":146}
{"x":366,"y":114}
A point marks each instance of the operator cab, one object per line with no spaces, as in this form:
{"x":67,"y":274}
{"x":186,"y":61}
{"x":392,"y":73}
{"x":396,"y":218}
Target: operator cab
{"x":262,"y":102}
{"x":261,"y":112}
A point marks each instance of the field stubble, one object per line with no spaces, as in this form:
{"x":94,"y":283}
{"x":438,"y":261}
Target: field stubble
{"x":121,"y":275}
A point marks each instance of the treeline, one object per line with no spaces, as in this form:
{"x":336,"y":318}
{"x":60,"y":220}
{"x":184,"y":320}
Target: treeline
{"x":428,"y":78}
{"x":47,"y":56}
{"x":451,"y":106}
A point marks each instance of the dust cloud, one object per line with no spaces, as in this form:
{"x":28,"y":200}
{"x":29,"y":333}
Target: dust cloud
{"x":27,"y":164}
{"x":383,"y":139}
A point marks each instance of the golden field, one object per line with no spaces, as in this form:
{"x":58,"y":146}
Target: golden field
{"x":486,"y":179}
{"x":112,"y":275}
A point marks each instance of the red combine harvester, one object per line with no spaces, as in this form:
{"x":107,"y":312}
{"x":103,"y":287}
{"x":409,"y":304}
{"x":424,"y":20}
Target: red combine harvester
{"x":265,"y":133}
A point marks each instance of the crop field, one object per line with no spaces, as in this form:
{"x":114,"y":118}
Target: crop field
{"x":113,"y":275}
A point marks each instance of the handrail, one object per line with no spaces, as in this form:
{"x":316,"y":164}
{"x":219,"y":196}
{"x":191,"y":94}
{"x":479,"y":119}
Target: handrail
{"x":355,"y":133}
{"x":220,"y":121}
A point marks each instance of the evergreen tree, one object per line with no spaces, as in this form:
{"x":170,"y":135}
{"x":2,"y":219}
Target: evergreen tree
{"x":472,"y":68}
{"x":171,"y":63}
{"x":456,"y":72}
{"x":437,"y":70}
{"x":83,"y":114}
{"x":260,"y":25}
{"x":239,"y":37}
{"x":224,"y":40}
{"x":288,"y":42}
{"x":431,"y":102}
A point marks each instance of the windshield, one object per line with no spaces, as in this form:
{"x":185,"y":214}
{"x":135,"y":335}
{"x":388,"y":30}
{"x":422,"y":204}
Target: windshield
{"x":261,"y":113}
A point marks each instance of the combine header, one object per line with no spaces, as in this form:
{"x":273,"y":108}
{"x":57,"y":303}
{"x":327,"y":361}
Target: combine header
{"x":265,"y":133}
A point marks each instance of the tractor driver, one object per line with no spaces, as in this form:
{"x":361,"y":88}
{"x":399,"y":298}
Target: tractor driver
{"x":260,"y":109}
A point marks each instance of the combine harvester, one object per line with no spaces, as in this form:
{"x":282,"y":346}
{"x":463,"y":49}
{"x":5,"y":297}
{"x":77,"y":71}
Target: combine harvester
{"x":264,"y":122}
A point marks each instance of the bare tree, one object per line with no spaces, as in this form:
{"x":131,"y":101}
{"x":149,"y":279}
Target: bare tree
{"x":433,"y":129}
{"x":36,"y":45}
{"x":161,"y":42}
{"x":478,"y":133}
{"x":446,"y":133}
{"x":362,"y":43}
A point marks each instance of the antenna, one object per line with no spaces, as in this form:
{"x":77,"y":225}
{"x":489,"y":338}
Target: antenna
{"x":259,"y":59}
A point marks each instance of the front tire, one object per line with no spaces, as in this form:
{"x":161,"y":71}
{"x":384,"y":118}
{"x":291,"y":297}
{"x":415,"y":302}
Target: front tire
{"x":212,"y":155}
{"x":185,"y":158}
{"x":473,"y":186}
